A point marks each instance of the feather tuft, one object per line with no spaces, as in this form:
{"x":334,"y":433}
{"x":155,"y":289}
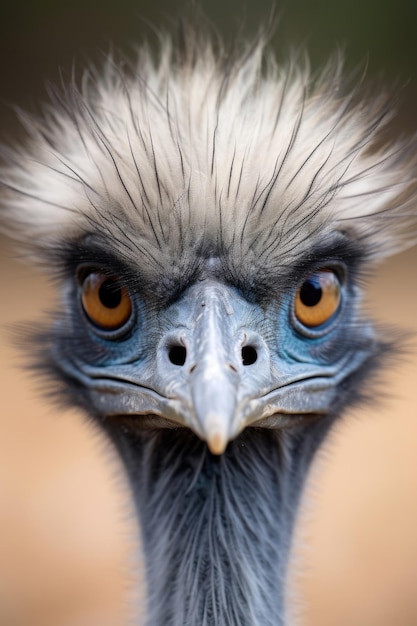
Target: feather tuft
{"x":195,"y":152}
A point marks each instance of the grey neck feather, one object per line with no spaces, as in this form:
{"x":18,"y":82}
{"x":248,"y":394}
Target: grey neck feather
{"x":217,"y":530}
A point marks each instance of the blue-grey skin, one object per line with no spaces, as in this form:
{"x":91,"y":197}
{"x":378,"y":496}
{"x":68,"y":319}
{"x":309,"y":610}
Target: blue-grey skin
{"x":216,"y":519}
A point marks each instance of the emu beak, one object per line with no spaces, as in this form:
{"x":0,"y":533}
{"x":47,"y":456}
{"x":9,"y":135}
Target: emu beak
{"x":214,"y":380}
{"x":214,"y":389}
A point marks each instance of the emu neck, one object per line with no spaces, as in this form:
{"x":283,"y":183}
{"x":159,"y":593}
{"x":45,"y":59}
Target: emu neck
{"x":216,"y":530}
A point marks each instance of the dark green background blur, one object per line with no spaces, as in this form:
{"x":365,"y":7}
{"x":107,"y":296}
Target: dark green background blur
{"x":38,"y":37}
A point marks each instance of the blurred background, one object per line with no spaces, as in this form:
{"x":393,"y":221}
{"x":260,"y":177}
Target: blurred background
{"x":66,"y":535}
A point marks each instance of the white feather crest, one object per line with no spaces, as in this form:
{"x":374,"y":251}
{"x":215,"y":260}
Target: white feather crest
{"x":193,"y":151}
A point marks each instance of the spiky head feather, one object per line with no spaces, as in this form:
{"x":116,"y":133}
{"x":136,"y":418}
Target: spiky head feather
{"x":196,"y":153}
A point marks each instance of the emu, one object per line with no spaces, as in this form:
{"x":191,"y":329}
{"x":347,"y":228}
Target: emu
{"x":210,"y":214}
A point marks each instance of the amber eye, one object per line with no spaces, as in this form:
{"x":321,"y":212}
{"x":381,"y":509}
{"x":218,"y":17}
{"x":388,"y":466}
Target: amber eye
{"x":318,"y":298}
{"x":105,"y":302}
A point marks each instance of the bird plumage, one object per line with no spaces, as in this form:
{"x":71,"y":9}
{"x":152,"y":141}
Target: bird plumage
{"x":212,"y":185}
{"x":193,"y":150}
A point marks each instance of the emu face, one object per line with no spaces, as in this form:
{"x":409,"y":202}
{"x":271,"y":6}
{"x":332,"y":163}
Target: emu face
{"x":209,"y":218}
{"x":213,"y":357}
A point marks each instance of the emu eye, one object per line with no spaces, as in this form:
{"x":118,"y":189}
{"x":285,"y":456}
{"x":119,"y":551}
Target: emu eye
{"x":106,"y":303}
{"x":317,"y":298}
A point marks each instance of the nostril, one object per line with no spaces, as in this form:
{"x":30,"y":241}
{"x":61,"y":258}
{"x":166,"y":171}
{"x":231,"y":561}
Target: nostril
{"x":249,"y":355}
{"x":177,"y":355}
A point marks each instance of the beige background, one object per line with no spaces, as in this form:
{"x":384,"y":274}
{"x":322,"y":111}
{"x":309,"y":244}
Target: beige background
{"x":66,"y":530}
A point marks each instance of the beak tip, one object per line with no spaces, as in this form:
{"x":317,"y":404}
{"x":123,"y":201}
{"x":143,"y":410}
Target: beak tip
{"x":217,"y":443}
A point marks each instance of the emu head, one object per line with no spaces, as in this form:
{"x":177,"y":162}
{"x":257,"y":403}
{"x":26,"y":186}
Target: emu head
{"x":209,"y":218}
